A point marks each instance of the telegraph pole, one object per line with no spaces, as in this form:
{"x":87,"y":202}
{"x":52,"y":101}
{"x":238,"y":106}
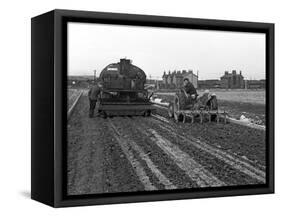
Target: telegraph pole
{"x":95,"y":75}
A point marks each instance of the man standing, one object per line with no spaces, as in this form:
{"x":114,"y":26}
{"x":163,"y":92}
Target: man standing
{"x":93,"y":95}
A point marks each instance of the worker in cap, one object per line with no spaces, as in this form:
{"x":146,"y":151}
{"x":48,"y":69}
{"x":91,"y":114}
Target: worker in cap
{"x":189,"y":90}
{"x":212,"y":103}
{"x":93,"y":95}
{"x":205,"y":97}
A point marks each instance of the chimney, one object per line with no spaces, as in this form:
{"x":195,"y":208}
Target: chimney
{"x":226,"y":72}
{"x":125,"y":61}
{"x":234,"y":72}
{"x":124,"y":65}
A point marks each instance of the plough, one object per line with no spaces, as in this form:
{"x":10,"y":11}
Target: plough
{"x":204,"y":107}
{"x":184,"y":115}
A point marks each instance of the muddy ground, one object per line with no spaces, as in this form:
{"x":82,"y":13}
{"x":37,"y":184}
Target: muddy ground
{"x":255,"y":112}
{"x":124,"y":154}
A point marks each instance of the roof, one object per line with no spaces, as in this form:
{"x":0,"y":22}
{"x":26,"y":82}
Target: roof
{"x":231,"y":75}
{"x":182,"y":73}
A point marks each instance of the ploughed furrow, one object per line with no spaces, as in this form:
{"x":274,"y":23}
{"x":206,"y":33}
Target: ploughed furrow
{"x":127,"y":144}
{"x":136,"y":165}
{"x":161,"y":160}
{"x":242,"y":141}
{"x":234,"y":161}
{"x":191,"y":168}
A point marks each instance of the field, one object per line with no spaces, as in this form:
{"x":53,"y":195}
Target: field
{"x":125,"y":154}
{"x":241,"y":96}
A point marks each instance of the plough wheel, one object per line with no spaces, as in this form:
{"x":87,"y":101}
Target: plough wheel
{"x":177,"y":116}
{"x":103,"y":114}
{"x":147,"y":113}
{"x":171,"y":110}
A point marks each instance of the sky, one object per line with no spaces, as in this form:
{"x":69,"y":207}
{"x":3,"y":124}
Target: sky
{"x":155,"y":50}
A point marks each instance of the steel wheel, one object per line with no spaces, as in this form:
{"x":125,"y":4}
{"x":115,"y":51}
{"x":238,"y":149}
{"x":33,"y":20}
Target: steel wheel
{"x":171,"y":110}
{"x":176,"y":117}
{"x":103,"y":114}
{"x":148,"y":113}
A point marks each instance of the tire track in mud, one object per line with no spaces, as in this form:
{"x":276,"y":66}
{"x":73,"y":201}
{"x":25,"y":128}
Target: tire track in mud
{"x":127,"y":144}
{"x":235,"y":162}
{"x":138,"y":168}
{"x":195,"y":171}
{"x":237,"y":140}
{"x":161,"y":160}
{"x":118,"y":174}
{"x":180,"y":131}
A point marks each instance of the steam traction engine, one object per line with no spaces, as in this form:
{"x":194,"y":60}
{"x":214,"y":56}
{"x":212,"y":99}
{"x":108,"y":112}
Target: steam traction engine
{"x":123,"y":91}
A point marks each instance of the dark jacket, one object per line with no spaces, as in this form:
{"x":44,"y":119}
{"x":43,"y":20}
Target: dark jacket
{"x":94,"y":92}
{"x":190,"y":89}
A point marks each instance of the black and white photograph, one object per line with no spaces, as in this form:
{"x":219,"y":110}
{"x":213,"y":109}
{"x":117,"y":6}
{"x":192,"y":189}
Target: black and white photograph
{"x":154,"y":108}
{"x":140,"y":108}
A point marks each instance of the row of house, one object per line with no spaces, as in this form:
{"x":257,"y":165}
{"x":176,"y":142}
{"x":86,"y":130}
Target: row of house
{"x":230,"y":80}
{"x":172,"y":80}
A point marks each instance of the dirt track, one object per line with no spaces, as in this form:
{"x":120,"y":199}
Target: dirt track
{"x":124,"y":154}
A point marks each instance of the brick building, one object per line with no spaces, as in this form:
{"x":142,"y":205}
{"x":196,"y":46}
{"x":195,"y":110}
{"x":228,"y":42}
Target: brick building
{"x":255,"y":84}
{"x":232,"y":80}
{"x":175,"y":79}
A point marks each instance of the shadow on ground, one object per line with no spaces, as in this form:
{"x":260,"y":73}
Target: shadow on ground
{"x":25,"y":194}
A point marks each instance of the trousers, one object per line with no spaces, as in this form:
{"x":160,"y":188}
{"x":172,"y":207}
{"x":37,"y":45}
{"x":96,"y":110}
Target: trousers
{"x":92,"y":107}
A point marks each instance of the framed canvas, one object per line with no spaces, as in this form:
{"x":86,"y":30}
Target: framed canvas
{"x":132,"y":108}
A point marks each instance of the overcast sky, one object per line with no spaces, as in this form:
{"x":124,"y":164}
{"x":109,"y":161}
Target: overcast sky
{"x":94,"y":46}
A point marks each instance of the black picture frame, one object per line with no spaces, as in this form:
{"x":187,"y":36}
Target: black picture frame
{"x":49,"y":114}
